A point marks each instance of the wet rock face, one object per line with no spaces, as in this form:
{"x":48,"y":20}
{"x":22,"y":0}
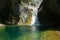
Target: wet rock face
{"x":49,"y":12}
{"x":9,"y":13}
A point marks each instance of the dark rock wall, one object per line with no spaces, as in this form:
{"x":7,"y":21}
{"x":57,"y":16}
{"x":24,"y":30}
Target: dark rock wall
{"x":50,"y":13}
{"x":10,"y":12}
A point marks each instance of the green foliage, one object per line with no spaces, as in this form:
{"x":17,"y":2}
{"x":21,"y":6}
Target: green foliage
{"x":26,"y":1}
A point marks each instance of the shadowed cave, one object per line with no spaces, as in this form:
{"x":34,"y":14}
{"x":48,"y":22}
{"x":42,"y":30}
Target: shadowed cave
{"x":49,"y":13}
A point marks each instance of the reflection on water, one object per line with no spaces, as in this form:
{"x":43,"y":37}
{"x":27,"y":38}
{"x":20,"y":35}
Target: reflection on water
{"x":17,"y":33}
{"x":25,"y":32}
